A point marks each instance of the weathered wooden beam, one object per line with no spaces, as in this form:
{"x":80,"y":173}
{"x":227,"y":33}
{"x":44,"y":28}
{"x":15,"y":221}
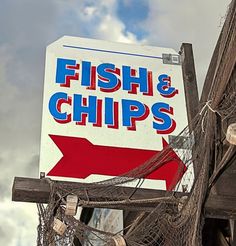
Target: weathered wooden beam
{"x":190,"y":82}
{"x":190,"y":88}
{"x":210,"y":73}
{"x":220,"y":207}
{"x":38,"y":191}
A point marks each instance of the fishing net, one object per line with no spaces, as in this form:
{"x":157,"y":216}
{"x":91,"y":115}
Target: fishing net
{"x":172,"y":219}
{"x":176,"y":217}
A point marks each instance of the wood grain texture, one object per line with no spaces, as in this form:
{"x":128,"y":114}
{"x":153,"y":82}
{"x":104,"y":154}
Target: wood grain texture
{"x":38,"y":191}
{"x":190,"y":81}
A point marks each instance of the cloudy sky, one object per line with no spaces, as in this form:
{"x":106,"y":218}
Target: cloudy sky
{"x":28,"y":26}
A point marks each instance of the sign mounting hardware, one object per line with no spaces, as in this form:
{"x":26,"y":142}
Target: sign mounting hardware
{"x":171,"y":59}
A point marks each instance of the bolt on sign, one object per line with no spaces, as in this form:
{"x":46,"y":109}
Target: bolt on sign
{"x":108,"y":107}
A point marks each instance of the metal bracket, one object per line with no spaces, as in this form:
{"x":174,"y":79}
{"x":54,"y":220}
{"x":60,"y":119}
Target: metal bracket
{"x":173,"y":59}
{"x":42,"y":175}
{"x":181,"y":142}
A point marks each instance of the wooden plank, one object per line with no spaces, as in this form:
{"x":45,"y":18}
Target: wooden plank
{"x":210,"y":73}
{"x":221,"y":207}
{"x":38,"y":191}
{"x":225,"y":184}
{"x":190,"y":87}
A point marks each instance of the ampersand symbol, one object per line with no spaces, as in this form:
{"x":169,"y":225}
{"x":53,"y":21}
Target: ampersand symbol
{"x":164,"y":86}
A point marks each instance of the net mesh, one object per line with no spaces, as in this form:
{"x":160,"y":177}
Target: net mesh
{"x":172,"y":219}
{"x":176,"y":217}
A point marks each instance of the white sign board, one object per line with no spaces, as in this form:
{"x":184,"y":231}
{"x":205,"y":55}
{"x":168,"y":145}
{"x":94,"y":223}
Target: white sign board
{"x":108,"y":106}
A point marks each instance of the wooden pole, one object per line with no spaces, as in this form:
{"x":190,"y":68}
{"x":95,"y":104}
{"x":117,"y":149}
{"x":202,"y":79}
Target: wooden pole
{"x":190,"y":82}
{"x":190,"y":88}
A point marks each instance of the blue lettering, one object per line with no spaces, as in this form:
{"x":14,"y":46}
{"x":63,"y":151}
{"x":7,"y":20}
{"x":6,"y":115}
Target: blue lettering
{"x":80,"y":109}
{"x":109,"y":111}
{"x":86,"y":73}
{"x":53,"y":106}
{"x":161,"y":113}
{"x":63,"y":71}
{"x":133,"y":111}
{"x":129,"y":80}
{"x":105,"y":71}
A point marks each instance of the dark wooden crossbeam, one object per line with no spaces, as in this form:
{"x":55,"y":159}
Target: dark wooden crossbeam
{"x":38,"y":191}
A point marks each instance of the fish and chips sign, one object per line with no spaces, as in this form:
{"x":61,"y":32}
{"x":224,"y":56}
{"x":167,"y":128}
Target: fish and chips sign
{"x":108,"y":107}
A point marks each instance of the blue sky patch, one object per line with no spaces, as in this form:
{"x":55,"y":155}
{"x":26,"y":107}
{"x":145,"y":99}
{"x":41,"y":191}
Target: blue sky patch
{"x":132,"y":13}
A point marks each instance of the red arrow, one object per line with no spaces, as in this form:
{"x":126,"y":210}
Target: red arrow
{"x":81,"y":158}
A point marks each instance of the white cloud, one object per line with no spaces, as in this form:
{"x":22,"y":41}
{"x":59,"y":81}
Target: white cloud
{"x":17,"y":221}
{"x":112,"y":29}
{"x":89,"y":11}
{"x":99,"y":20}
